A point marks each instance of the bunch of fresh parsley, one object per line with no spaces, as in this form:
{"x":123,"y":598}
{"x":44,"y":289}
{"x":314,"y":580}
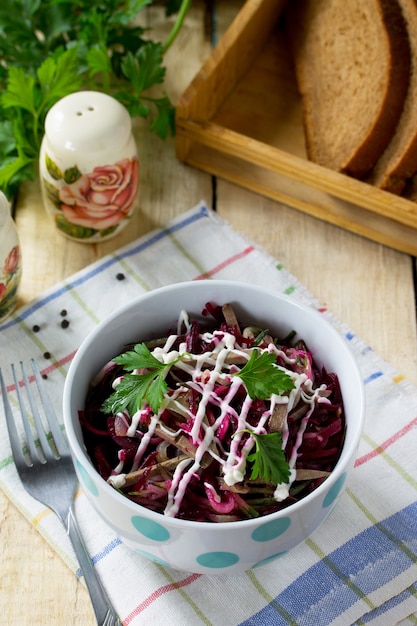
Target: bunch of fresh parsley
{"x":51,"y":48}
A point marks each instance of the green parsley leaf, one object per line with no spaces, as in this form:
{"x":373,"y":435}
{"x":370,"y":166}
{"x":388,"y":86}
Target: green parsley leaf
{"x":262,"y":377}
{"x":20,"y":90}
{"x":133,"y":389}
{"x":164,"y":123}
{"x":59,"y":77}
{"x":268,"y":460}
{"x":7,"y":140}
{"x":98,"y":60}
{"x":139,"y":358}
{"x":145,"y":68}
{"x":136,"y":107}
{"x":13,"y":171}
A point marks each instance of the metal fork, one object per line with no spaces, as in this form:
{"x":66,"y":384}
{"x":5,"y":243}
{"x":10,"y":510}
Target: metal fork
{"x":49,"y":476}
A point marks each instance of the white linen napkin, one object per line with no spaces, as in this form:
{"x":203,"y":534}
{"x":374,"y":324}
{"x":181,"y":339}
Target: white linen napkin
{"x":359,"y":567}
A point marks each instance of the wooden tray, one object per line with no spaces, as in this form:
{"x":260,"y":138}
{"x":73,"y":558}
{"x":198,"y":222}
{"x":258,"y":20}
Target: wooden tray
{"x":240,"y":119}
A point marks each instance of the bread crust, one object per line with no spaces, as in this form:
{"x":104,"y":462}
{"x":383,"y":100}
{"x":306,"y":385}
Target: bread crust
{"x":337,"y":135}
{"x":399,"y":160}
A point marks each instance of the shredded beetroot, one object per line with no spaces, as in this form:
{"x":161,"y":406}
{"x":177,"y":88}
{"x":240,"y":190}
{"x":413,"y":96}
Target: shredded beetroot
{"x":225,"y":505}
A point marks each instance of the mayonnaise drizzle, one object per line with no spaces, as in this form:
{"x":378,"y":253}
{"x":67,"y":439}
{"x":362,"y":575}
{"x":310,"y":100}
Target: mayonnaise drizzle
{"x":205,"y":371}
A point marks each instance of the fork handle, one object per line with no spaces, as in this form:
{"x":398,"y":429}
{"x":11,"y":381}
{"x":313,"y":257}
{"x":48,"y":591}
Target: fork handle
{"x":102,"y":606}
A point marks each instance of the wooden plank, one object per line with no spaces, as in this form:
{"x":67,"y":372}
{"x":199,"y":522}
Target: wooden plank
{"x":304,"y":197}
{"x":277,"y":161}
{"x":227,"y":63}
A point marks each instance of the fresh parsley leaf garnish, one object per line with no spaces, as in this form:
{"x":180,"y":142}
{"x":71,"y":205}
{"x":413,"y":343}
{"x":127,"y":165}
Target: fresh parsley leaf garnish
{"x":133,"y":389}
{"x":262,"y":377}
{"x":139,"y":357}
{"x":268,"y":460}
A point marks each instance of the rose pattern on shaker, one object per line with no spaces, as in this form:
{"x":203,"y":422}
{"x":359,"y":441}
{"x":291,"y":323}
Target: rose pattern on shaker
{"x":96,"y":202}
{"x":9,"y":281}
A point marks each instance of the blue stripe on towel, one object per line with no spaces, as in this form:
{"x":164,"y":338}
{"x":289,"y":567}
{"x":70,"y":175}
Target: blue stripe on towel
{"x":340,"y":580}
{"x":390,"y":604}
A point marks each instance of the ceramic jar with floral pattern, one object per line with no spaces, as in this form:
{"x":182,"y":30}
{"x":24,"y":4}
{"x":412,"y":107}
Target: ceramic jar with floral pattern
{"x":89,"y":167}
{"x":10,"y":260}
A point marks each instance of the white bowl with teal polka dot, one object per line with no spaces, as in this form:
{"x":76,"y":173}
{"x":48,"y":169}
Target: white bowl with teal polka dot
{"x":206,"y":547}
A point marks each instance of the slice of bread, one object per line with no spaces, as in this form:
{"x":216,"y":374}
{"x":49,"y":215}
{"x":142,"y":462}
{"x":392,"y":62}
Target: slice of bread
{"x":399,"y":161}
{"x":352,"y":62}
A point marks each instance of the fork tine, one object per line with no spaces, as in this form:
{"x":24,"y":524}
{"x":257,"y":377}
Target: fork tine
{"x":59,"y":439}
{"x":34,"y":452}
{"x":46,"y":449}
{"x":17,"y":452}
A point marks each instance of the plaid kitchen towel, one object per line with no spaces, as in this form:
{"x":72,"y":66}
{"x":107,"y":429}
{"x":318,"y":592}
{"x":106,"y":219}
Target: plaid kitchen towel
{"x":359,"y":567}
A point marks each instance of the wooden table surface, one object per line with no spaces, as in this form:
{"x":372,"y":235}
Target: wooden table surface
{"x":368,"y":286}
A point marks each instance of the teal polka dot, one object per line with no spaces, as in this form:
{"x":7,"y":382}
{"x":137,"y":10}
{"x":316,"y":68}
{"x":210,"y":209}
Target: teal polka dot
{"x":332,"y":494}
{"x":270,"y":558}
{"x":152,"y":557}
{"x":149,"y":528}
{"x":271,"y":530}
{"x":87,"y":480}
{"x":217,"y":559}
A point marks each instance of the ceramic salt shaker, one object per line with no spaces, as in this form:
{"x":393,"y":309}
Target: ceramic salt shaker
{"x":10,"y":260}
{"x":88,"y":166}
